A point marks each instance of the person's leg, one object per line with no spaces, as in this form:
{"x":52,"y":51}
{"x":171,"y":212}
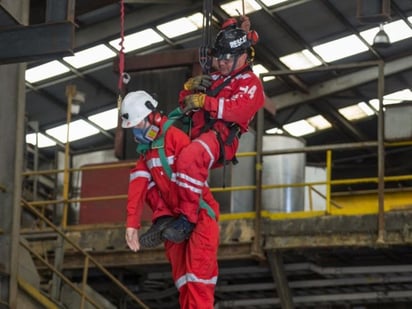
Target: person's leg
{"x":162,"y":216}
{"x":153,"y":236}
{"x":192,"y":170}
{"x":201,"y":263}
{"x":176,"y":254}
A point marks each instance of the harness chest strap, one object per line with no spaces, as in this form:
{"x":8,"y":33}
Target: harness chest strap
{"x":234,"y":130}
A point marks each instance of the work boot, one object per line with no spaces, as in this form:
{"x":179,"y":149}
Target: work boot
{"x":178,"y":230}
{"x":153,"y":236}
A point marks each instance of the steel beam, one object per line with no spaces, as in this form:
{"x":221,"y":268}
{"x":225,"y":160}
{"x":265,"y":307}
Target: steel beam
{"x":327,"y":299}
{"x":28,"y":43}
{"x":7,"y":18}
{"x":282,"y":287}
{"x":162,"y":60}
{"x":123,"y":258}
{"x":341,"y":83}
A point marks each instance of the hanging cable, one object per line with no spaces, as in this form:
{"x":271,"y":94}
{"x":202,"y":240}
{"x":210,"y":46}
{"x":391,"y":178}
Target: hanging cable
{"x":124,"y":78}
{"x":205,"y":59}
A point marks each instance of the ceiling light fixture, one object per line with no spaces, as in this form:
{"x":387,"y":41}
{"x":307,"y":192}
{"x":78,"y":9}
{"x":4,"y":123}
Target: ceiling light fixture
{"x":381,"y":38}
{"x":79,"y":99}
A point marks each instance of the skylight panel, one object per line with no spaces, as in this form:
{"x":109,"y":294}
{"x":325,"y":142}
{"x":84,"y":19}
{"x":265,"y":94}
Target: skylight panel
{"x":319,"y":122}
{"x":234,"y":8}
{"x":273,"y":2}
{"x":137,"y":40}
{"x":366,"y":108}
{"x":42,"y":140}
{"x":299,"y":128}
{"x":393,"y":98}
{"x":300,"y":60}
{"x":177,"y":27}
{"x":375,"y":103}
{"x":89,"y":56}
{"x":106,"y":120}
{"x":196,"y":19}
{"x":340,"y":48}
{"x":396,"y":31}
{"x":274,"y":131}
{"x":78,"y":129}
{"x":45,"y":71}
{"x":259,"y":69}
{"x":356,"y":112}
{"x":397,"y":97}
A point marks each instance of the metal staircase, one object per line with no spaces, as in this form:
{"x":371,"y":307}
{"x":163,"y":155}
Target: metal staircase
{"x":58,"y":291}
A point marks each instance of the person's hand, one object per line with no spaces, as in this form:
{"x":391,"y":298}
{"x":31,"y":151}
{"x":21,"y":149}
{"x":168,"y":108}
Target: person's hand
{"x":193,"y":101}
{"x":132,"y":239}
{"x":198,"y":83}
{"x":245,"y":23}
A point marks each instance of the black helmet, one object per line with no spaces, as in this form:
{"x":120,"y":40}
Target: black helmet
{"x":230,"y":42}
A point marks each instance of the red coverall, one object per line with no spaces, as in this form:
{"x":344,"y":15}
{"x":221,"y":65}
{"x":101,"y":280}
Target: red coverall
{"x":236,"y":103}
{"x":194,"y":262}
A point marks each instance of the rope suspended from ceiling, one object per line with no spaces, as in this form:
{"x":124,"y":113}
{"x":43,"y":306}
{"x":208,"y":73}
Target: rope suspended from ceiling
{"x":205,"y":59}
{"x":124,"y":78}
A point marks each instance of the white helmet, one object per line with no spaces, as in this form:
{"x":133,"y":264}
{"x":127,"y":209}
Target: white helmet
{"x":135,"y":107}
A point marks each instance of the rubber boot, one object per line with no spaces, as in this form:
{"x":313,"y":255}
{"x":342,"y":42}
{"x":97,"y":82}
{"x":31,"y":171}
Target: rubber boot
{"x":153,"y":236}
{"x":178,"y":230}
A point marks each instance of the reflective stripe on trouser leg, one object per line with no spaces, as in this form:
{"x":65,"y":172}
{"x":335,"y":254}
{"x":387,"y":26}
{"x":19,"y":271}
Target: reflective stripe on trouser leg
{"x":194,"y":264}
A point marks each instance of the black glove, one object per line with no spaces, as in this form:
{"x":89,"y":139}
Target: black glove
{"x":198,"y":83}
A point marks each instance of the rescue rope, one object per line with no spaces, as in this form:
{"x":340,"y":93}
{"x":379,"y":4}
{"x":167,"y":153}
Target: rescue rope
{"x":124,"y":78}
{"x":205,"y":59}
{"x":121,"y":51}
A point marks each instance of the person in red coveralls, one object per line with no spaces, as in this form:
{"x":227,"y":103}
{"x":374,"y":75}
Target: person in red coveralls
{"x":221,"y":106}
{"x":153,"y":181}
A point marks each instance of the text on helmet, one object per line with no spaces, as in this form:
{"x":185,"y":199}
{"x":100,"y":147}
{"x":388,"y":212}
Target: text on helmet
{"x":238,"y":42}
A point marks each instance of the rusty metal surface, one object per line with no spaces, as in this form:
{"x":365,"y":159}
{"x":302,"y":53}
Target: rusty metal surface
{"x":236,"y":242}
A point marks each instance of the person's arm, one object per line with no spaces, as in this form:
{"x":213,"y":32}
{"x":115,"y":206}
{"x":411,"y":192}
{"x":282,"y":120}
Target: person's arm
{"x":240,"y":104}
{"x":245,"y":23}
{"x":139,"y":179}
{"x":196,"y":84}
{"x":156,"y":202}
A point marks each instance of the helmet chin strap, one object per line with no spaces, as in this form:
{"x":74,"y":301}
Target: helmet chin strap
{"x":235,"y":59}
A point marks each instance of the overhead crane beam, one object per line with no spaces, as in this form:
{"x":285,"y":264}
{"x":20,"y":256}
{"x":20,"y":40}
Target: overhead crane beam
{"x":53,"y":38}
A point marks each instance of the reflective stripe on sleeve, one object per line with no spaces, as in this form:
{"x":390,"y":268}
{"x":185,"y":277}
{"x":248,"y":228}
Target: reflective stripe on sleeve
{"x":138,"y":174}
{"x":156,"y":162}
{"x":220,"y":108}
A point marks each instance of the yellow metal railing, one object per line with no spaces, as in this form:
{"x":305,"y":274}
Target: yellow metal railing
{"x":328,"y":183}
{"x":35,"y":293}
{"x":332,"y":206}
{"x":87,"y":260}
